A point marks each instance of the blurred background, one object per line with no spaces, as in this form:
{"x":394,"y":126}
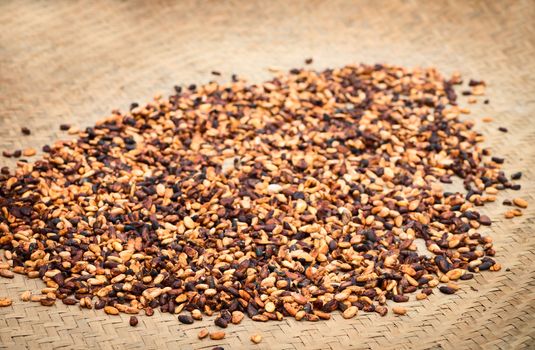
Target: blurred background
{"x":75,"y":61}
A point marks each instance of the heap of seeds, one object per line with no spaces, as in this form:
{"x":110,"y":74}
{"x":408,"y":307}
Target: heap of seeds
{"x":296,"y":197}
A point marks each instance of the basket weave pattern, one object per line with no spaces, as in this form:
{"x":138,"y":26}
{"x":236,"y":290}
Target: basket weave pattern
{"x":73,"y":61}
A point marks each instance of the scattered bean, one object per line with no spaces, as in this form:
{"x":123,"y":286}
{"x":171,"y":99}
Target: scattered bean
{"x":350,"y":312}
{"x":28,"y":152}
{"x":256,"y":338}
{"x":217,"y":335}
{"x":7,"y":273}
{"x":4,"y":301}
{"x":25,"y":296}
{"x":447,"y":289}
{"x":520,"y":202}
{"x":110,"y":310}
{"x":516,"y":176}
{"x":186,"y":319}
{"x":47,"y":301}
{"x":221,"y":322}
{"x":399,"y":310}
{"x":203,"y":333}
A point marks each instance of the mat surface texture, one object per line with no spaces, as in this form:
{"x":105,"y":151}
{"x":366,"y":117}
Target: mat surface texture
{"x":74,"y":61}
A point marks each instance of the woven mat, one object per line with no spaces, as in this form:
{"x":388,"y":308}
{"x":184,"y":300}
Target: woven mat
{"x":73,"y":62}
